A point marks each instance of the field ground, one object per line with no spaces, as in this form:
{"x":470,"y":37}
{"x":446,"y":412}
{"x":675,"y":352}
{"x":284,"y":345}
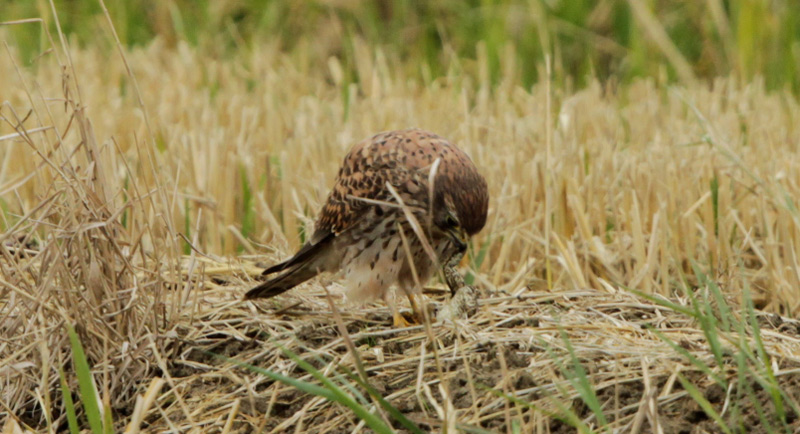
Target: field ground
{"x":638,"y":271}
{"x":636,"y":354}
{"x":517,"y":344}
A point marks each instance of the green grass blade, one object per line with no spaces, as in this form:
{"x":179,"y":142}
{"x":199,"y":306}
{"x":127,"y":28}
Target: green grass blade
{"x":661,"y":302}
{"x":565,"y":414}
{"x":708,"y":323}
{"x":69,"y":406}
{"x":343,"y":382}
{"x":89,"y":395}
{"x":248,"y":209}
{"x":765,"y":364}
{"x":368,"y":417}
{"x":289,"y":381}
{"x":108,"y":419}
{"x":472,"y":429}
{"x":389,"y":408}
{"x":704,"y":404}
{"x":743,"y":375}
{"x":704,"y":313}
{"x":477,"y":259}
{"x":725,"y":314}
{"x":577,"y":376}
{"x":330,"y":392}
{"x":699,"y":364}
{"x":714,"y":187}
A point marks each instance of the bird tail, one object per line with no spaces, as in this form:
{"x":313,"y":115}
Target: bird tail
{"x":286,"y":281}
{"x":305,"y":264}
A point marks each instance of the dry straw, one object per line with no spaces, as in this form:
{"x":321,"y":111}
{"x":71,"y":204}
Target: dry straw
{"x":645,"y":181}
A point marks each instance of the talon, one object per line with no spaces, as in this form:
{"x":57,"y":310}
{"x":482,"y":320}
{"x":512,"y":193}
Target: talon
{"x":399,"y":321}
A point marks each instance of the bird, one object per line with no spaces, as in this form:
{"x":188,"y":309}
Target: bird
{"x":404,"y":204}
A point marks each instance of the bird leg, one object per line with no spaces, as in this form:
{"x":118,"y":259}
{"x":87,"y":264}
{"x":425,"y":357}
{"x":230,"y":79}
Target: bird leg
{"x":398,"y":320}
{"x":416,"y":311}
{"x":454,"y":281}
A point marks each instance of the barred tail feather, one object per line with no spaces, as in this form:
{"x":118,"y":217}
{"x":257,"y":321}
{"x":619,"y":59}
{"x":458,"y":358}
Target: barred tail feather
{"x":305,"y":264}
{"x":282,"y":283}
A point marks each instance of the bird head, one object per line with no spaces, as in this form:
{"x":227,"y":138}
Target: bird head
{"x":460,"y":208}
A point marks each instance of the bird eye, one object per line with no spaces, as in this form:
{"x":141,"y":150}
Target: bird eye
{"x":450,"y":221}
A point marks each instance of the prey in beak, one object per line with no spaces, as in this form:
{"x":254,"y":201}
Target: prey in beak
{"x":459,"y":237}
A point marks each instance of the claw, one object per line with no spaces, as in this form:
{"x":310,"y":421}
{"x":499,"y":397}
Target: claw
{"x":416,"y":317}
{"x":400,"y":321}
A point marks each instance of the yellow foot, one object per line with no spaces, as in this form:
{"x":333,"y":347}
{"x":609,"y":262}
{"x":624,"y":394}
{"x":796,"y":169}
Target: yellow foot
{"x":400,"y":321}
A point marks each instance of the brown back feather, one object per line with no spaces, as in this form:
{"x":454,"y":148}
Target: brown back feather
{"x":403,"y":158}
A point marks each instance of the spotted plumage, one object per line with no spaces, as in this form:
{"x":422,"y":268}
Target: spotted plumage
{"x":361,"y":228}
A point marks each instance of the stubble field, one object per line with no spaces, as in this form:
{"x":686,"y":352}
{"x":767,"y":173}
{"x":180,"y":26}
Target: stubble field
{"x":638,"y":271}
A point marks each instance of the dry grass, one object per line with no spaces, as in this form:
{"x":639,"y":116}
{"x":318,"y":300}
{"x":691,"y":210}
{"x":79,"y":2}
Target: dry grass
{"x":642,"y":182}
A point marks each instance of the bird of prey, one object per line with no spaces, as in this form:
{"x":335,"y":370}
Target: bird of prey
{"x":404,"y":203}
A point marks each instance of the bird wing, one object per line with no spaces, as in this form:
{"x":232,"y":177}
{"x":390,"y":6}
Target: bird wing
{"x":401,"y":158}
{"x":308,"y":250}
{"x":362,"y":178}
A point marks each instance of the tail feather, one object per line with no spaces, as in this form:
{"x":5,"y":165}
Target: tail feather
{"x":278,"y":267}
{"x":282,"y":283}
{"x":307,"y":252}
{"x":305,"y":264}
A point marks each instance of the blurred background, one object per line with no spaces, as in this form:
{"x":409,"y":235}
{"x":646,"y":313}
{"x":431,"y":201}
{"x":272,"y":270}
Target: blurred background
{"x":610,"y":40}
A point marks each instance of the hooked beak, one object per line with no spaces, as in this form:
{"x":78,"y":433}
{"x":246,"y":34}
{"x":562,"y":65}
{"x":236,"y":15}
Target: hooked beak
{"x":459,"y":238}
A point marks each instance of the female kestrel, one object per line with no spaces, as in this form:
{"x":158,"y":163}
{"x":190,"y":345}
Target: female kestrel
{"x":399,"y":195}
